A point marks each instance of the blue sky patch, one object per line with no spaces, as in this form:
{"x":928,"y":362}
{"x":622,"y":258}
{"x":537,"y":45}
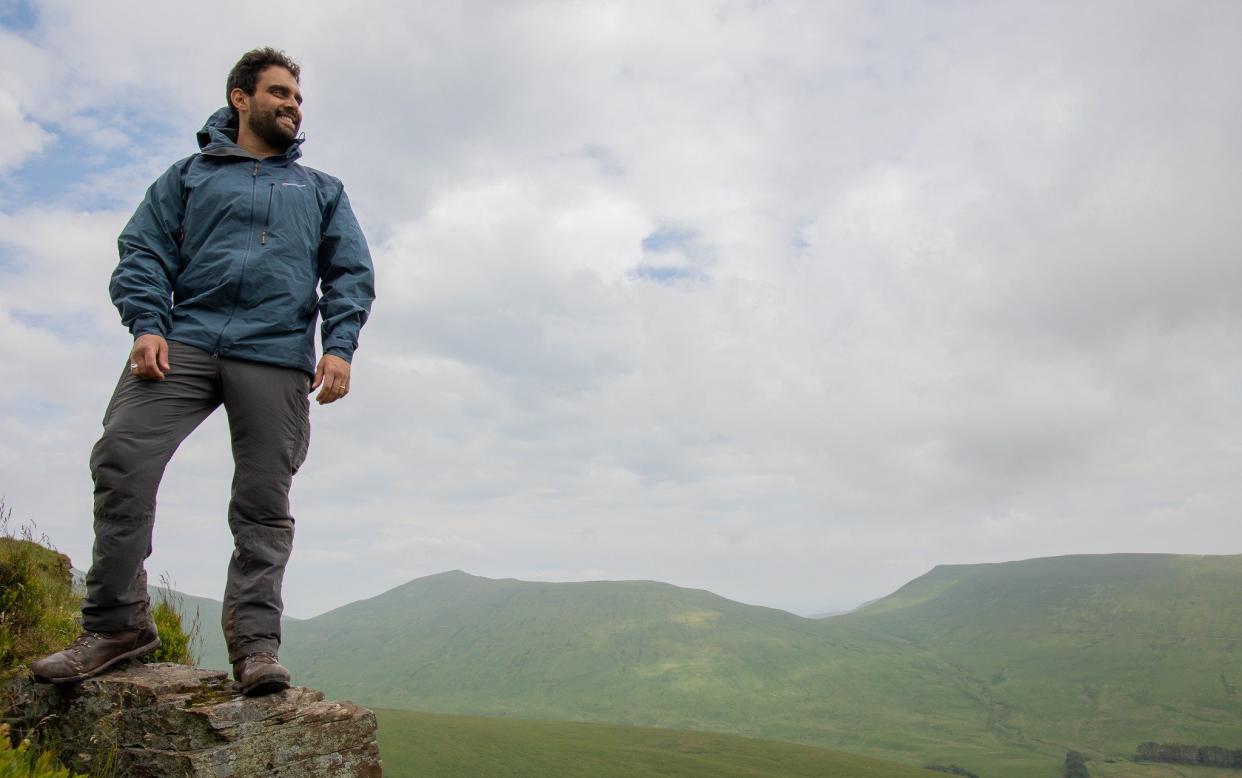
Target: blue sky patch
{"x":665,"y":274}
{"x":18,"y":15}
{"x":71,"y":171}
{"x":668,"y":239}
{"x":656,"y":273}
{"x":43,"y":176}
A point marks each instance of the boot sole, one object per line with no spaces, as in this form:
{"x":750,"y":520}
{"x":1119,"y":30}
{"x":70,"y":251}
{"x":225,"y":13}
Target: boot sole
{"x":132,"y":654}
{"x":268,"y":685}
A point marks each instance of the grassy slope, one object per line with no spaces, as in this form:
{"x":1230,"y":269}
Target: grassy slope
{"x":998,"y":668}
{"x":1093,"y":653}
{"x":37,"y":603}
{"x":440,"y":746}
{"x":641,"y":653}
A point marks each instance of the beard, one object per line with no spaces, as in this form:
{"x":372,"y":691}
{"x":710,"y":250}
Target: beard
{"x":267,"y":126}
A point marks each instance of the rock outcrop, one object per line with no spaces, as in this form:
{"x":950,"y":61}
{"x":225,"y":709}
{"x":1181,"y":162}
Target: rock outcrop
{"x":169,"y":721}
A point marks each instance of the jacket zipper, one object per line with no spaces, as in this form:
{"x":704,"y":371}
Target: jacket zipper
{"x":241,"y":275}
{"x":267,"y":217}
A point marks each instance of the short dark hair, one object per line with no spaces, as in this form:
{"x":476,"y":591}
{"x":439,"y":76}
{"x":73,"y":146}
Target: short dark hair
{"x":245,"y":74}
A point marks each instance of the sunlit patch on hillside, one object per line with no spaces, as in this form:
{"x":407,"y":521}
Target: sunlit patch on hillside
{"x":695,"y":618}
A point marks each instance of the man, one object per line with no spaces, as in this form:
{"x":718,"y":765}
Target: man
{"x":217,"y":282}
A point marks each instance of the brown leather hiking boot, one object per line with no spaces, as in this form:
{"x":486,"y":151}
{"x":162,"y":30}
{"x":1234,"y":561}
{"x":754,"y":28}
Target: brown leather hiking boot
{"x":92,"y":653}
{"x":260,"y":674}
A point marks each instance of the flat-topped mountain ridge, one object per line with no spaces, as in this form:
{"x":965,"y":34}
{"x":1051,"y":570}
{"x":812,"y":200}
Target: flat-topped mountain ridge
{"x":991,"y":665}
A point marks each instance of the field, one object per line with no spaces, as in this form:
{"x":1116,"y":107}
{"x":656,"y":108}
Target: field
{"x":444,"y":746}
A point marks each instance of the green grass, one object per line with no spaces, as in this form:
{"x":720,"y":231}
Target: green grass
{"x":1092,"y":653}
{"x":38,"y":610}
{"x":446,"y":746}
{"x":23,"y":761}
{"x":38,"y":607}
{"x":177,"y":630}
{"x":997,"y":668}
{"x":1127,"y":769}
{"x":639,"y":653}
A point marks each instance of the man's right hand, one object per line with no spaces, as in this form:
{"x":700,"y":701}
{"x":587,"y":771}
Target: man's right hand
{"x":149,"y":359}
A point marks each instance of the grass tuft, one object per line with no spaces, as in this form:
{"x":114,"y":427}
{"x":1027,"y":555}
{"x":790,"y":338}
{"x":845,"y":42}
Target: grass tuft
{"x":22,"y":761}
{"x":180,"y":640}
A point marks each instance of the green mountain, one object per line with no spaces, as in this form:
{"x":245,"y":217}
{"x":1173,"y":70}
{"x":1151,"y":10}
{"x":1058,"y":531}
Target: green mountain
{"x":1097,"y":653}
{"x":998,"y":668}
{"x":638,"y":652}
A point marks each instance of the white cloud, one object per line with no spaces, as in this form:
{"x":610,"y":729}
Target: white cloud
{"x":949,"y":284}
{"x":22,"y":137}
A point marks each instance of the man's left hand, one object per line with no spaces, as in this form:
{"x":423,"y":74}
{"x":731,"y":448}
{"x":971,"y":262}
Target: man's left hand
{"x":332,"y":374}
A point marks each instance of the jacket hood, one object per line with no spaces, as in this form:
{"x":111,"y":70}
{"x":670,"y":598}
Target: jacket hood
{"x":219,"y":137}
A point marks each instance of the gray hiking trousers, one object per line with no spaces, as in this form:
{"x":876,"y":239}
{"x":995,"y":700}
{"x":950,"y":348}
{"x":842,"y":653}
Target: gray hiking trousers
{"x":269,"y":421}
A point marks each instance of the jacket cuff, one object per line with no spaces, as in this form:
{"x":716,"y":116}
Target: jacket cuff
{"x":346,"y":354}
{"x":147,"y":324}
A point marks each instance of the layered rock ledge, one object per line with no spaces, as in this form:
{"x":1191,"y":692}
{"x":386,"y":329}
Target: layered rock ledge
{"x":169,"y":721}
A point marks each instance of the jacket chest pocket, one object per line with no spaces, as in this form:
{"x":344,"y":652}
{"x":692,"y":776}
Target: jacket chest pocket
{"x":291,"y":219}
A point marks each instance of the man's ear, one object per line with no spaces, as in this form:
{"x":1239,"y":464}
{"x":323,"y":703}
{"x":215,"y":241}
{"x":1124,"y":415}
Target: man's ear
{"x":239,"y":99}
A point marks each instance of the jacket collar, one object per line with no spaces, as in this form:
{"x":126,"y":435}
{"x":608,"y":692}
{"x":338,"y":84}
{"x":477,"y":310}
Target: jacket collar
{"x":218,"y":138}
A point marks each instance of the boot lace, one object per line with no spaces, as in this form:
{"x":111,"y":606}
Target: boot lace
{"x":83,"y":642}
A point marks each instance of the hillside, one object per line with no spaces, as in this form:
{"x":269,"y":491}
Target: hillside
{"x":1133,"y":593}
{"x":1002,"y":666}
{"x":642,"y":653}
{"x":1099,"y":652}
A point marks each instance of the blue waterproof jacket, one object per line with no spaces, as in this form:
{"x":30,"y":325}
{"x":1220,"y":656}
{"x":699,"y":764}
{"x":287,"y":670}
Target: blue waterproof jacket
{"x":226,"y":253}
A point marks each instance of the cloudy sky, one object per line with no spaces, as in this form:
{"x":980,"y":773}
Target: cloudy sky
{"x":788,"y":301}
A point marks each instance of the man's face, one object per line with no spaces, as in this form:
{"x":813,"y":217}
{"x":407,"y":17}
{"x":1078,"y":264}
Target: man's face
{"x":275,"y":107}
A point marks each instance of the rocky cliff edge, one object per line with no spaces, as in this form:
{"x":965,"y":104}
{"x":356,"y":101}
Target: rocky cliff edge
{"x":170,"y":721}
